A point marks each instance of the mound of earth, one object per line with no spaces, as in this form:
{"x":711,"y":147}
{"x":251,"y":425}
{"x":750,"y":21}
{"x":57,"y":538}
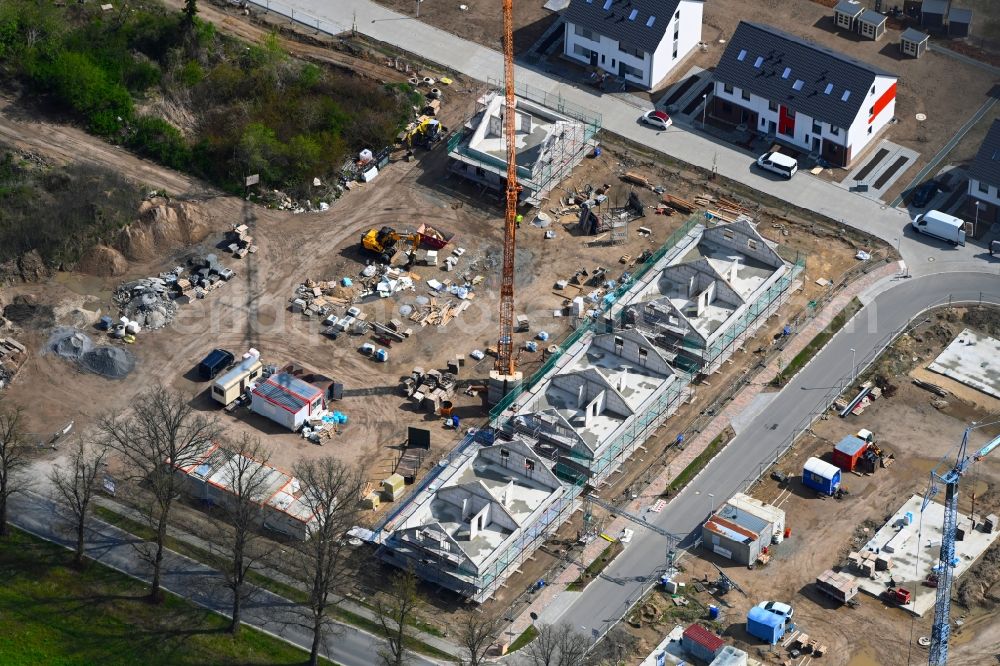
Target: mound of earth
{"x":103,"y":261}
{"x":162,"y":225}
{"x":27,"y":312}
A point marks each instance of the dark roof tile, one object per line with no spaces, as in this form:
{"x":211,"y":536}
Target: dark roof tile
{"x":986,"y":166}
{"x":833,"y":86}
{"x":611,"y":18}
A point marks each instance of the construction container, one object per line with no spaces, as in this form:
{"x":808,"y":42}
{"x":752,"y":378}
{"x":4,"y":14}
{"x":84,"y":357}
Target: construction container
{"x":765,"y":625}
{"x":393,"y":487}
{"x":730,"y":656}
{"x":848,"y":452}
{"x":821,"y":476}
{"x":768,"y":512}
{"x":701,"y":642}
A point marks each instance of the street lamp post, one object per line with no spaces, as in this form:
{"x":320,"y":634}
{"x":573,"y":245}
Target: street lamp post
{"x":711,"y":503}
{"x":854,"y":367}
{"x":418,"y":8}
{"x":975,"y":223}
{"x":704,"y":108}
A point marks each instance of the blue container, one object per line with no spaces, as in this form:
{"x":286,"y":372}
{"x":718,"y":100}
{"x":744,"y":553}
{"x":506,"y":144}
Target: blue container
{"x":821,"y":476}
{"x":765,"y":625}
{"x":713,"y":612}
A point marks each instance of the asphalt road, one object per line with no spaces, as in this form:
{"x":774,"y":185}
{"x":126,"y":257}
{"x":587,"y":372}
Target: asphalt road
{"x":602,"y":602}
{"x":346,"y":645}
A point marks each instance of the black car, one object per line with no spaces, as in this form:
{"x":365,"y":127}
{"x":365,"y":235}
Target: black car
{"x":923,"y":194}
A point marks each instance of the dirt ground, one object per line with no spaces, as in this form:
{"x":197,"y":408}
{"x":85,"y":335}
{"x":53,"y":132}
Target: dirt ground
{"x":482,"y":20}
{"x":823,"y":531}
{"x":252,"y":310}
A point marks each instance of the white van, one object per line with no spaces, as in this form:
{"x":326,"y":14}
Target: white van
{"x":941,"y":225}
{"x":782,"y":165}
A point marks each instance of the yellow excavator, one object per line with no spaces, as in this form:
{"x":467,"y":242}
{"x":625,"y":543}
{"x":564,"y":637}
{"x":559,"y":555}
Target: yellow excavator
{"x":382,"y":242}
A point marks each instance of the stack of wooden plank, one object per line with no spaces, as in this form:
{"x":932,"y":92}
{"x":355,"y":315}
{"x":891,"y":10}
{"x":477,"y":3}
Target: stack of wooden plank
{"x":678,"y":204}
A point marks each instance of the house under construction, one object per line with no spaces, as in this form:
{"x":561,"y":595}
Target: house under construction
{"x":550,"y":143}
{"x":472,"y":522}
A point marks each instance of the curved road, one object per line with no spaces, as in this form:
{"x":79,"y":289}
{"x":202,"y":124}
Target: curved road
{"x":603,"y":602}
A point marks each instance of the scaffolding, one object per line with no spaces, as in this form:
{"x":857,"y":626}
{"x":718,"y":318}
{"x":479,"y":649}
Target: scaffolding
{"x":558,"y":156}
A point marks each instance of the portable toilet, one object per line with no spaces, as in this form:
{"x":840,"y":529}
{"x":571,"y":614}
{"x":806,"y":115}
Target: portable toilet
{"x":765,"y":625}
{"x":848,"y":452}
{"x":821,"y":476}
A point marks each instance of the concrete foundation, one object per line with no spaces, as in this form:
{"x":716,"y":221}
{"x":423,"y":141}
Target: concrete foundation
{"x":501,"y":384}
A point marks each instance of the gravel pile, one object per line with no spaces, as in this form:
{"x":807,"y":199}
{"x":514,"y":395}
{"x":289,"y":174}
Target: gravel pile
{"x":110,"y":362}
{"x":76,"y":346}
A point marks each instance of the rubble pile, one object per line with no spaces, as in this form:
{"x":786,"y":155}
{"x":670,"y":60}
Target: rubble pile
{"x":431,"y":390}
{"x":152,"y":302}
{"x":12,"y":356}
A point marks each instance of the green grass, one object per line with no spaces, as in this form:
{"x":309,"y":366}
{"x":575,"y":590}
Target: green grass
{"x":52,"y":614}
{"x":595,"y":568}
{"x":526,"y":637}
{"x":817,"y":343}
{"x":698,"y":463}
{"x":277,"y":587}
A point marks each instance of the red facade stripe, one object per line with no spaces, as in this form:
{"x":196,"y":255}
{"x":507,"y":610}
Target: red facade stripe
{"x":883,"y":102}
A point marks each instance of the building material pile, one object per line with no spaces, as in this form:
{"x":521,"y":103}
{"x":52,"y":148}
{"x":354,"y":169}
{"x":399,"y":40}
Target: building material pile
{"x":432,"y":389}
{"x":239,"y":241}
{"x":12,"y":357}
{"x":320,"y":298}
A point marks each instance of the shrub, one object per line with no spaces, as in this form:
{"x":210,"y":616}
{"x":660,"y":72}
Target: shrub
{"x":159,"y":140}
{"x":191,"y":73}
{"x":74,"y":80}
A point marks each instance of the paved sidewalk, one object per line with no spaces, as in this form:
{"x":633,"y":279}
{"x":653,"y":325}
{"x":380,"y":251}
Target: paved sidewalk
{"x":695,"y":446}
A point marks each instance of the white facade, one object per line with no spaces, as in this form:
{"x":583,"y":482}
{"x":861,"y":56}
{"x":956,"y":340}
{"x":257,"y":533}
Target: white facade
{"x":637,"y":66}
{"x":808,"y":133}
{"x":983,"y":191}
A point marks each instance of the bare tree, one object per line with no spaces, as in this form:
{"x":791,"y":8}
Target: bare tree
{"x":477,"y":633}
{"x":75,"y":484}
{"x":248,"y":476}
{"x":616,"y":648}
{"x":557,"y":645}
{"x":13,"y":457}
{"x":330,"y":491}
{"x":161,"y":434}
{"x":395,"y":614}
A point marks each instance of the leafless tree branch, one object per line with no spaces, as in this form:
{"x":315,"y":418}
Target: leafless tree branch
{"x":75,"y":484}
{"x":13,"y":458}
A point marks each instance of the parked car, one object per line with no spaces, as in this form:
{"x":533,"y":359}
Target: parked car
{"x":778,"y":608}
{"x":657,"y":119}
{"x":923,"y":194}
{"x":775,"y":162}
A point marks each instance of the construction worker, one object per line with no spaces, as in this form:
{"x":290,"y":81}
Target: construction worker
{"x":518,"y":220}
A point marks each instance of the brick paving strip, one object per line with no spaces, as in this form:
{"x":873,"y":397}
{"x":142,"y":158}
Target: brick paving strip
{"x":696,"y":445}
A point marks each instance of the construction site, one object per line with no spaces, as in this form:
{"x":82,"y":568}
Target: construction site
{"x":486,"y":389}
{"x":847,"y":530}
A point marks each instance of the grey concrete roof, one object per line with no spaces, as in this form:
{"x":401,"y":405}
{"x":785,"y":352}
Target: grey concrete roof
{"x":934,"y":7}
{"x":913,"y":35}
{"x":986,"y":166}
{"x":849,"y":8}
{"x":872,"y":17}
{"x":832,"y":87}
{"x":959,"y":15}
{"x":627,"y":21}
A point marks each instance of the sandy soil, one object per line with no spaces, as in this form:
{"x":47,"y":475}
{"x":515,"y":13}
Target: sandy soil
{"x":823,"y":531}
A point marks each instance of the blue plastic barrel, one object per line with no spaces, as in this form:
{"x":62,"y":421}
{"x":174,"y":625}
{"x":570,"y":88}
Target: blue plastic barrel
{"x":713,"y":612}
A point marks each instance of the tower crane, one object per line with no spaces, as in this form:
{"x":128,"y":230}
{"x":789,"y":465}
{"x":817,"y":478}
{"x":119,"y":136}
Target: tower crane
{"x":504,"y":366}
{"x":941,"y":631}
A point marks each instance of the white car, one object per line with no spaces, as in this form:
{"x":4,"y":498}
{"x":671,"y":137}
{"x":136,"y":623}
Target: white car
{"x":778,"y":608}
{"x":626,"y":535}
{"x":657,"y":119}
